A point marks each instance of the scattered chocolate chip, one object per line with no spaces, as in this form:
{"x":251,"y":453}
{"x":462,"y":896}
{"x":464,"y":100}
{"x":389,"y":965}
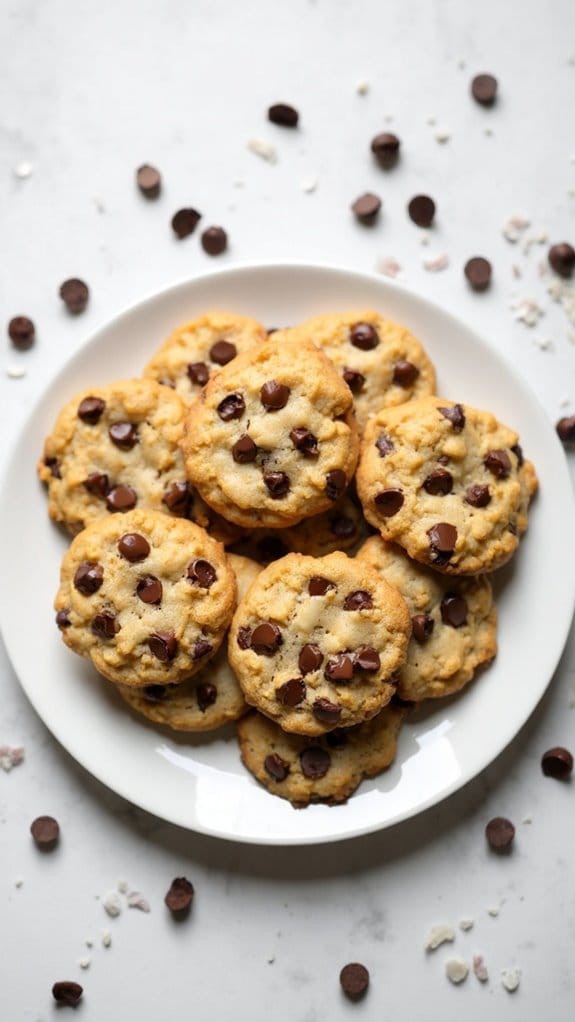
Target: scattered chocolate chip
{"x":163,"y":645}
{"x":500,"y":833}
{"x":150,"y":590}
{"x":223,"y":352}
{"x":244,"y":638}
{"x":478,"y":273}
{"x":21,"y":332}
{"x":45,"y":830}
{"x":149,"y":181}
{"x":74,"y":293}
{"x":266,"y":639}
{"x":270,"y":548}
{"x":124,"y":435}
{"x":177,"y":497}
{"x":358,"y":600}
{"x":121,"y":498}
{"x":421,"y":210}
{"x":366,"y":658}
{"x":198,"y":373}
{"x":284,"y":115}
{"x":315,"y":762}
{"x":319,"y":586}
{"x":66,"y":992}
{"x":201,"y":573}
{"x":206,"y":694}
{"x":214,"y":241}
{"x":454,"y":610}
{"x":442,"y":540}
{"x":278,"y":484}
{"x":54,"y":465}
{"x":363,"y":336}
{"x":389,"y":502}
{"x":326,"y":711}
{"x":455,"y":415}
{"x":276,"y":767}
{"x":384,"y":444}
{"x":244,"y":450}
{"x":484,"y":89}
{"x":156,"y":693}
{"x":385,"y":148}
{"x":201,"y":648}
{"x":335,"y":484}
{"x":339,"y":668}
{"x":310,"y":658}
{"x":305,"y":442}
{"x":62,"y":619}
{"x":562,"y":259}
{"x":404,"y":373}
{"x":366,"y":208}
{"x":557,"y":763}
{"x":232,"y":407}
{"x":342,"y":527}
{"x":91,"y":409}
{"x":105,"y":625}
{"x":354,"y":979}
{"x":185,"y":221}
{"x":566,"y":429}
{"x":292,"y":692}
{"x":274,"y":395}
{"x":518,"y":452}
{"x":439,"y":482}
{"x":180,"y":896}
{"x":88,"y":577}
{"x":422,"y":626}
{"x":97,"y":484}
{"x":477,"y":495}
{"x":354,"y":379}
{"x":498,"y":463}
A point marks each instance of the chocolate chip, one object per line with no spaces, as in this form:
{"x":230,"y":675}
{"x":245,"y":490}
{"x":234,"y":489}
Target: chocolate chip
{"x":484,"y":89}
{"x":566,"y":429}
{"x":384,"y":444}
{"x":201,"y":648}
{"x":366,"y":658}
{"x":354,"y":979}
{"x":342,"y":527}
{"x":363,"y":336}
{"x":270,"y":548}
{"x":163,"y":645}
{"x":442,"y":540}
{"x":201,"y":573}
{"x":54,"y":465}
{"x":385,"y":148}
{"x":97,"y":484}
{"x":274,"y":395}
{"x":150,"y":589}
{"x":149,"y":181}
{"x":319,"y":586}
{"x":198,"y":372}
{"x":358,"y":600}
{"x":133,"y":547}
{"x":124,"y":435}
{"x":454,"y":610}
{"x":557,"y":762}
{"x":518,"y":452}
{"x":478,"y":273}
{"x":206,"y":694}
{"x":315,"y":762}
{"x":499,"y":463}
{"x":214,"y":241}
{"x":310,"y":658}
{"x":67,"y":992}
{"x":422,"y":626}
{"x":305,"y":442}
{"x":326,"y":711}
{"x":185,"y":221}
{"x":244,"y":450}
{"x":292,"y":692}
{"x":156,"y":693}
{"x":244,"y":638}
{"x":354,"y":380}
{"x":335,"y":484}
{"x":91,"y":409}
{"x":177,"y":497}
{"x":45,"y":830}
{"x":276,"y":767}
{"x":366,"y":208}
{"x":88,"y":577}
{"x":562,"y":259}
{"x":404,"y":373}
{"x":179,"y":896}
{"x":421,"y":210}
{"x":105,"y":625}
{"x":223,"y":352}
{"x":339,"y":668}
{"x":477,"y":495}
{"x":21,"y":332}
{"x":455,"y":415}
{"x":232,"y":407}
{"x":266,"y":639}
{"x":500,"y":833}
{"x":278,"y":484}
{"x":121,"y":498}
{"x":284,"y":115}
{"x":439,"y":482}
{"x":74,"y":293}
{"x":389,"y":502}
{"x":62,"y":619}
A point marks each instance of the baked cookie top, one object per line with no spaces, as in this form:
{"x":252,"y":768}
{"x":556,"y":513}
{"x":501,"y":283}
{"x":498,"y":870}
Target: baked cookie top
{"x":194,"y":351}
{"x":323,"y":769}
{"x":382,"y":362}
{"x":272,"y":438}
{"x":447,"y":482}
{"x":147,"y":598}
{"x":454,"y":622}
{"x":317,"y":642}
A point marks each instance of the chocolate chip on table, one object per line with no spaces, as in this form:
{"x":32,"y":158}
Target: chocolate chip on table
{"x":88,"y":577}
{"x":404,"y":373}
{"x":63,"y":619}
{"x":477,"y":495}
{"x":389,"y":502}
{"x":121,"y":498}
{"x":201,"y":648}
{"x":366,"y":208}
{"x":98,"y":484}
{"x":339,"y":667}
{"x":421,"y":210}
{"x":266,"y":639}
{"x":54,"y":465}
{"x":133,"y":547}
{"x":326,"y":711}
{"x":105,"y":625}
{"x":177,"y":497}
{"x":179,"y":896}
{"x":439,"y":482}
{"x":244,"y":450}
{"x":124,"y":435}
{"x":75,"y":294}
{"x":201,"y":573}
{"x":21,"y":332}
{"x":354,"y":379}
{"x":304,"y":441}
{"x":45,"y":830}
{"x":150,"y":590}
{"x":354,"y":979}
{"x":385,"y":148}
{"x":66,"y":992}
{"x":335,"y":483}
{"x":500,"y":833}
{"x":284,"y":115}
{"x":484,"y":89}
{"x":454,"y":610}
{"x":319,"y":586}
{"x":149,"y":181}
{"x":557,"y":762}
{"x":358,"y":600}
{"x":455,"y":415}
{"x":232,"y":407}
{"x":343,"y":527}
{"x":499,"y":463}
{"x":163,"y":645}
{"x":223,"y":352}
{"x":292,"y":692}
{"x":278,"y":484}
{"x":566,"y":429}
{"x":310,"y":658}
{"x":366,"y":658}
{"x":274,"y":395}
{"x":91,"y":409}
{"x":214,"y":241}
{"x":422,"y":626}
{"x":315,"y":762}
{"x":384,"y":444}
{"x":442,"y":540}
{"x":363,"y":336}
{"x":562,"y":259}
{"x":477,"y":270}
{"x":206,"y":694}
{"x":198,"y":372}
{"x":185,"y":221}
{"x":276,"y":767}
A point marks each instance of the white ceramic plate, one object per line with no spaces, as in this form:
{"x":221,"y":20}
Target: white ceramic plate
{"x":199,"y":782}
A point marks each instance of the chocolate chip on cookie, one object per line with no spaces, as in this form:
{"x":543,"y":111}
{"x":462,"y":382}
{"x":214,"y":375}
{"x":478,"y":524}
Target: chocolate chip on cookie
{"x":88,"y":577}
{"x":315,"y":762}
{"x":276,"y":767}
{"x":364,"y":336}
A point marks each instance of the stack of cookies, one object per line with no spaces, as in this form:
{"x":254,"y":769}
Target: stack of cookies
{"x":287,"y":529}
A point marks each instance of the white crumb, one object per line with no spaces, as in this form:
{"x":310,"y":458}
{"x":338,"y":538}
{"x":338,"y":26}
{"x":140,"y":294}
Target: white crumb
{"x":388,"y":266}
{"x":112,"y":904}
{"x":461,"y":65}
{"x":309,"y":184}
{"x":23,"y":170}
{"x":526,"y":310}
{"x":15,"y":372}
{"x":89,"y":942}
{"x":538,"y":238}
{"x":488,"y":131}
{"x":545,"y":343}
{"x":84,"y":963}
{"x":479,"y":969}
{"x":263,"y":149}
{"x":442,"y":136}
{"x":434,"y":264}
{"x":510,"y":979}
{"x":514,"y":226}
{"x":271,"y":961}
{"x":106,"y":938}
{"x":466,"y":924}
{"x":362,"y":87}
{"x":431,"y":121}
{"x":456,"y":970}
{"x":493,"y":910}
{"x":439,"y":935}
{"x":123,"y":886}
{"x":564,"y":401}
{"x":136,"y":900}
{"x":527,"y":819}
{"x":18,"y":882}
{"x":563,"y":293}
{"x":11,"y":756}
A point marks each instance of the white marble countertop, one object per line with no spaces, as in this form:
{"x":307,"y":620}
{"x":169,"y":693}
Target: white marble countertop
{"x":89,"y":93}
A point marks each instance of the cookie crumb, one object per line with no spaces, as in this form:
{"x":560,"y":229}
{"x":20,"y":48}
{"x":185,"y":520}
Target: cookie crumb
{"x":510,"y":979}
{"x":263,"y":149}
{"x":136,"y":900}
{"x":439,"y":935}
{"x":85,"y":963}
{"x":123,"y":886}
{"x":309,"y":184}
{"x":15,"y":372}
{"x":11,"y":756}
{"x":489,"y":132}
{"x":527,"y":310}
{"x":23,"y":170}
{"x":493,"y":910}
{"x":89,"y":942}
{"x":19,"y":882}
{"x":389,"y":267}
{"x":466,"y":924}
{"x":434,"y":264}
{"x":479,"y":969}
{"x":441,"y":136}
{"x":362,"y":87}
{"x":111,"y":904}
{"x":456,"y":970}
{"x":563,"y":293}
{"x":545,"y":343}
{"x":106,"y":938}
{"x":527,"y":819}
{"x":514,"y":226}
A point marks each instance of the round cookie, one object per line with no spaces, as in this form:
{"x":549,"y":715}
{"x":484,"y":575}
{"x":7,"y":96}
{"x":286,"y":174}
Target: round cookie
{"x":209,"y":699}
{"x":454,"y":622}
{"x":272,"y":438}
{"x":340,"y":528}
{"x":447,"y":482}
{"x":382,"y":363}
{"x":317,"y":642}
{"x":147,"y":598}
{"x":326,"y":769}
{"x":193,"y":352}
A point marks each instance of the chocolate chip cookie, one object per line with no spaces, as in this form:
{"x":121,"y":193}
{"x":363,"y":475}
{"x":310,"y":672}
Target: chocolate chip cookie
{"x":449,"y":483}
{"x":324,"y":769}
{"x":147,"y":598}
{"x":272,"y":438}
{"x":317,"y":642}
{"x":454,"y":622}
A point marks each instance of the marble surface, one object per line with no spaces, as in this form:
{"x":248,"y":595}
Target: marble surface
{"x":89,"y":93}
